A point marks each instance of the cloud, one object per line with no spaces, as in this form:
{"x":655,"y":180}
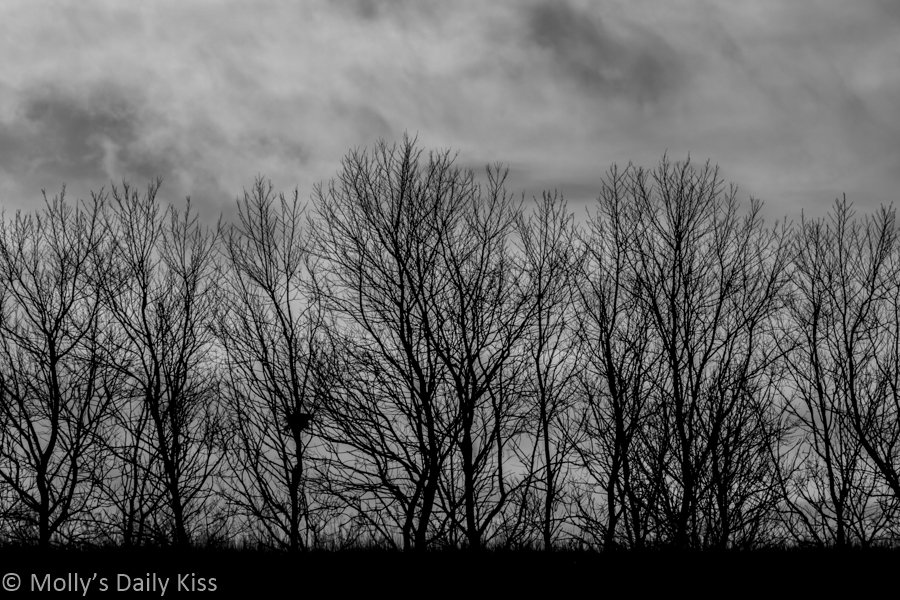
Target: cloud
{"x":95,"y":134}
{"x":623,"y":59}
{"x":402,"y":9}
{"x":90,"y":136}
{"x":796,"y":101}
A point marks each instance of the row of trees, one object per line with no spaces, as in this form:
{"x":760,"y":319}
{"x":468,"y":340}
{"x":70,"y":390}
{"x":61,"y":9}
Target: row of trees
{"x":421,"y":360}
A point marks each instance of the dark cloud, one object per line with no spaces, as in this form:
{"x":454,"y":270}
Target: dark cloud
{"x":94,"y":135}
{"x":74,"y":136}
{"x":366,"y":9}
{"x":891,"y":8}
{"x":371,"y":10}
{"x":623,"y":60}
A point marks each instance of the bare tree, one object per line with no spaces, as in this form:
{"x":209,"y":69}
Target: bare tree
{"x":269,"y":327}
{"x":160,"y":291}
{"x":679,"y":302}
{"x":422,"y":363}
{"x":387,"y":417}
{"x":842,"y":335}
{"x":484,"y":311}
{"x":55,"y":388}
{"x":550,"y":262}
{"x":618,"y":435}
{"x":712,"y":280}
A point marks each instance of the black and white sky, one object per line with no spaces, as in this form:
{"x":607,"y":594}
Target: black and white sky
{"x":798,"y":101}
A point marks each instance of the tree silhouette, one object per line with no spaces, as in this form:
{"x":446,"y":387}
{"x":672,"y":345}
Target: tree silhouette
{"x":422,"y":359}
{"x":388,"y":418}
{"x":56,"y":388}
{"x":840,"y":334}
{"x":268,"y":328}
{"x":160,"y":291}
{"x":551,"y":262}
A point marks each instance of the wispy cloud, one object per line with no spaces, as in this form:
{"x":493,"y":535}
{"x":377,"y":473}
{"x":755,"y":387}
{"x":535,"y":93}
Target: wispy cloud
{"x":797,"y":101}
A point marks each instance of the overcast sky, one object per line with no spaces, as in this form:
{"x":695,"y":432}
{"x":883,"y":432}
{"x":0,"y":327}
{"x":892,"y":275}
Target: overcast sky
{"x":798,"y":101}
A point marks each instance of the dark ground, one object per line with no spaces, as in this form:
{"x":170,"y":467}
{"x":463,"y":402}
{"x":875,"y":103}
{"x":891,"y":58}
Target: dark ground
{"x":773,"y":574}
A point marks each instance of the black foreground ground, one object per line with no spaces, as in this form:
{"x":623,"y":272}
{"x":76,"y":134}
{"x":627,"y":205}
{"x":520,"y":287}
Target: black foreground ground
{"x":224,"y":573}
